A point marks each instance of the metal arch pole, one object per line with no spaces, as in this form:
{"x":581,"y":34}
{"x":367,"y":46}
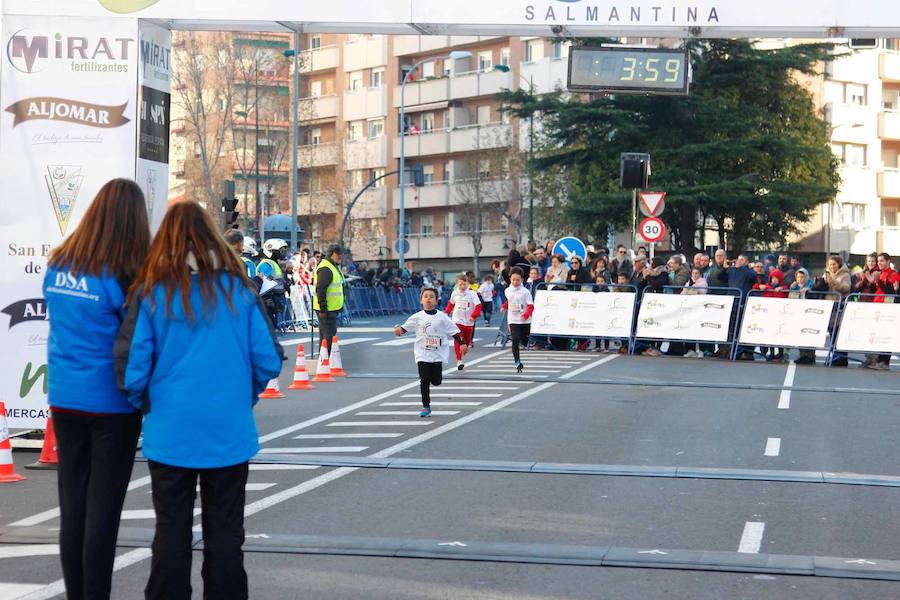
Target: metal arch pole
{"x":295,"y":141}
{"x":401,"y":219}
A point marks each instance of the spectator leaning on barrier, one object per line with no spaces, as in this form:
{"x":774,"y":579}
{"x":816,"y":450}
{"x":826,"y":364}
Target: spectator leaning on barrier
{"x":887,"y":289}
{"x":718,"y":273}
{"x":637,"y":278}
{"x":193,"y":314}
{"x":867,"y":280}
{"x":620,"y":263}
{"x":679,"y":274}
{"x":541,"y":259}
{"x":741,"y":276}
{"x":790,"y":275}
{"x":837,"y":277}
{"x":600,"y":267}
{"x":559,"y":271}
{"x":578,"y":273}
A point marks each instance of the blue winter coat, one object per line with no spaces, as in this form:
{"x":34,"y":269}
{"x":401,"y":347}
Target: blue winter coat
{"x":86,"y":314}
{"x":202,"y":377}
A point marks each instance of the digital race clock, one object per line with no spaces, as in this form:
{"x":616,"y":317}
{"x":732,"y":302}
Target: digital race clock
{"x":628,"y":70}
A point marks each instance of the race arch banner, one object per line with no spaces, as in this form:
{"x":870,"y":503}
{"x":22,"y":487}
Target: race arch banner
{"x":870,"y":327}
{"x":694,"y":317}
{"x":585,"y":314}
{"x":786,"y":322}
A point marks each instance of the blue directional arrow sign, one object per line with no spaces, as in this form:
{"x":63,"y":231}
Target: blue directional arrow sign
{"x":571,"y":247}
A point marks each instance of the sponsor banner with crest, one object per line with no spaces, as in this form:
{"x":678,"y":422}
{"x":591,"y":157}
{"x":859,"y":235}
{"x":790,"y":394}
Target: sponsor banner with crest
{"x":786,"y":322}
{"x":568,"y":313}
{"x":870,"y":327}
{"x":701,"y":317}
{"x":68,"y":125}
{"x":155,"y":56}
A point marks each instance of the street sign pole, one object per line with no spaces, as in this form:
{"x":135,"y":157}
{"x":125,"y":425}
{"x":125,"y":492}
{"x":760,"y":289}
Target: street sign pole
{"x":634,"y":195}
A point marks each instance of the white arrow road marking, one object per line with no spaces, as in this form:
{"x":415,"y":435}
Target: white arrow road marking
{"x":860,"y":561}
{"x":254,"y":536}
{"x":459,"y":544}
{"x":654,"y":551}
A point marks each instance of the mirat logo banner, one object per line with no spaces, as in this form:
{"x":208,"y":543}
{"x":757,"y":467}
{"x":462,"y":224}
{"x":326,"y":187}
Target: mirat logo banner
{"x":126,"y":6}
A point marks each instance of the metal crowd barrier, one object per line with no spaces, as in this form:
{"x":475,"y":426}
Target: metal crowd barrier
{"x":856,"y":297}
{"x":379,"y":301}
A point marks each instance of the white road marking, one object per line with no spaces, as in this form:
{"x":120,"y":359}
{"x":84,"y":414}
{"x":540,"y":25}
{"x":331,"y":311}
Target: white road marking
{"x":351,"y":341}
{"x":313,"y":450}
{"x":457,"y":385}
{"x":773,"y":446}
{"x":259,"y":487}
{"x":28,"y":550}
{"x":275,"y":467}
{"x":444,"y":394}
{"x":11,"y":591}
{"x":379,"y":423}
{"x":405,"y":413}
{"x":513,"y":370}
{"x":751,"y":539}
{"x":53,"y":513}
{"x":437,"y":403}
{"x":398,"y":342}
{"x":784,"y":400}
{"x":338,"y":436}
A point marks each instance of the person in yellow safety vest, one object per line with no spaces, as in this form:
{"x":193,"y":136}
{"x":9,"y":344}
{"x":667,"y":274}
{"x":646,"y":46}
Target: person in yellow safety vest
{"x":328,"y":299}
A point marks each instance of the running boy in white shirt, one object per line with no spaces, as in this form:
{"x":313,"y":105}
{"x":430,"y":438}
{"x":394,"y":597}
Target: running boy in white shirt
{"x":520,"y":306}
{"x":464,"y":308}
{"x":486,"y":291}
{"x":433,"y":330}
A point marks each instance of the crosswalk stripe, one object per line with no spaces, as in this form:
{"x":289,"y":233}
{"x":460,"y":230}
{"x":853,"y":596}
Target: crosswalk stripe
{"x":313,"y":450}
{"x":275,"y":467}
{"x":513,"y":370}
{"x":404,"y":413}
{"x":399,"y":342}
{"x":446,"y":394}
{"x":475,"y":385}
{"x":381,"y":423}
{"x":437,"y":403}
{"x":338,"y":436}
{"x":17,"y":590}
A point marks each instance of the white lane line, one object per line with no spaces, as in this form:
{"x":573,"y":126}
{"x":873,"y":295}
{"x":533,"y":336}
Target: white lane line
{"x":784,"y":400}
{"x":436,"y":403}
{"x":444,"y":394}
{"x":456,"y":386}
{"x":773,"y":446}
{"x":339,"y":436}
{"x":314,"y":450}
{"x":751,"y":539}
{"x":346,"y":342}
{"x":283,"y":467}
{"x":144,"y":514}
{"x":351,"y":341}
{"x":405,"y":413}
{"x":513,"y":370}
{"x":379,"y":423}
{"x":398,"y":342}
{"x":11,"y":591}
{"x":28,"y":550}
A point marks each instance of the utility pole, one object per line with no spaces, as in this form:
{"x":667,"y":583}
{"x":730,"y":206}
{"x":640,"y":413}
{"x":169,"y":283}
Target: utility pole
{"x":259,"y":213}
{"x":530,"y":158}
{"x":295,"y":141}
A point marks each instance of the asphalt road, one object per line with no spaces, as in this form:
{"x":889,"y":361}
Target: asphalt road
{"x":524,"y":486}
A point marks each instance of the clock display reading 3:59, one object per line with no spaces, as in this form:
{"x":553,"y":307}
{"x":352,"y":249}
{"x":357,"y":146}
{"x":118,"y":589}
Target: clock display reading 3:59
{"x":622,"y":70}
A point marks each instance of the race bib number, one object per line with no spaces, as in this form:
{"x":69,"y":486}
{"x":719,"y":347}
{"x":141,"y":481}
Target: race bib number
{"x":462,"y":306}
{"x":517,"y":308}
{"x":432,"y":342}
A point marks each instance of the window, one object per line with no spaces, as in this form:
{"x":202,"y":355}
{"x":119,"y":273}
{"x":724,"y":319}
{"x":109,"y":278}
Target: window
{"x":448,"y":219}
{"x":558,"y":49}
{"x":485,"y":61}
{"x":316,"y":136}
{"x":428,"y":122}
{"x":889,"y":216}
{"x":855,"y":94}
{"x":850,"y":154}
{"x":377,"y":78}
{"x":448,"y":68}
{"x":446,"y":116}
{"x":315,"y":89}
{"x":376,"y":128}
{"x":853,"y":214}
{"x":355,"y":131}
{"x":315,"y":41}
{"x":375,"y":174}
{"x":504,"y":56}
{"x":356,"y":81}
{"x":890,"y":99}
{"x":197,"y":150}
{"x":484,"y":115}
{"x":357,"y":179}
{"x":315,"y":181}
{"x":428,"y":171}
{"x":426,"y":225}
{"x":428,"y":70}
{"x":484,"y":168}
{"x":534,"y":50}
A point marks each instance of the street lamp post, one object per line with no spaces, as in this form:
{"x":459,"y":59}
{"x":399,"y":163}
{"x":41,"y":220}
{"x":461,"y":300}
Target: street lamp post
{"x":401,"y":225}
{"x":295,"y":137}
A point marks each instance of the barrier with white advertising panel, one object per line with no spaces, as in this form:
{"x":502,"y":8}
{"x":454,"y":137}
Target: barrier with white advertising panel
{"x":692,"y":317}
{"x":792,"y":322}
{"x":587,"y":314}
{"x":869,"y":326}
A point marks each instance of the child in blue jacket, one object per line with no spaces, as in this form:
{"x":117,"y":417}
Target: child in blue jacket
{"x":194,"y":353}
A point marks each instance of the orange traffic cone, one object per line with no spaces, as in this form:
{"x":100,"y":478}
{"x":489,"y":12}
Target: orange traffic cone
{"x":272,"y":390}
{"x":301,"y":376}
{"x":49,"y":457}
{"x":337,"y":368}
{"x":7,"y":468}
{"x":323,"y":371}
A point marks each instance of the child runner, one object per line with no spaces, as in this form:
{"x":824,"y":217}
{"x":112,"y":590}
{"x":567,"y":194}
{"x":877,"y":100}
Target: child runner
{"x":464,"y":308}
{"x":433,"y":331}
{"x":487,"y":298}
{"x":520,"y":306}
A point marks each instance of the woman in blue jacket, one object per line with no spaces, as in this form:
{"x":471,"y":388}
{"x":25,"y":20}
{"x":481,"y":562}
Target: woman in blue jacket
{"x":194,"y":353}
{"x":96,"y":426}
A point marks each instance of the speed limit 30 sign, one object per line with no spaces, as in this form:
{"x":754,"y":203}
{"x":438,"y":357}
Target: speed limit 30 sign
{"x":652,"y":230}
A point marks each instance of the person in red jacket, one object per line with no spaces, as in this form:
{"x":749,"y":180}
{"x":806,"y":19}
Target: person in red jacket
{"x":464,"y":308}
{"x":887,"y":286}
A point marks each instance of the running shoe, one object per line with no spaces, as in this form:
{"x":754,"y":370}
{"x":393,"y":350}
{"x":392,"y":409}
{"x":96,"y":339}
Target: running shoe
{"x":426,"y":412}
{"x":459,"y":365}
{"x":519,"y":366}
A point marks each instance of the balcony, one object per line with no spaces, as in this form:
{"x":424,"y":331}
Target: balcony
{"x":365,"y":103}
{"x":320,"y":107}
{"x":365,"y":154}
{"x":320,"y":59}
{"x":178,"y":168}
{"x":856,"y":183}
{"x":889,"y":183}
{"x":371,"y":205}
{"x":319,"y":203}
{"x":889,"y":125}
{"x":888,"y":240}
{"x":457,"y":87}
{"x":416,"y":44}
{"x":365,"y":53}
{"x":459,"y":139}
{"x":455,"y":246}
{"x":429,"y":196}
{"x":442,"y":193}
{"x":319,"y":155}
{"x":889,"y":67}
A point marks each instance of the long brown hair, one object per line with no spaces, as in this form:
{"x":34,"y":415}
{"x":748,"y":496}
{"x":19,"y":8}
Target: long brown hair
{"x":113,"y":235}
{"x":188,"y":233}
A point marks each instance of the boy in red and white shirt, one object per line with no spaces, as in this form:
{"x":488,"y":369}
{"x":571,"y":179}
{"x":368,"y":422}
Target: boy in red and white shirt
{"x":520,"y":305}
{"x":464,"y":308}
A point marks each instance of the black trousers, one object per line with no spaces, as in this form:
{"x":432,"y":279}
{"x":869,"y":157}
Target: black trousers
{"x":222,"y":494}
{"x":429,"y":374}
{"x":96,"y":454}
{"x":519,"y":335}
{"x":328,"y":329}
{"x":487,"y":310}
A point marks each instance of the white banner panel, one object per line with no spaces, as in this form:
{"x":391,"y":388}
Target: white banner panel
{"x":702,"y":317}
{"x":567,"y":313}
{"x":155,"y":109}
{"x":870,"y":327}
{"x":67,"y":126}
{"x":787,"y":322}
